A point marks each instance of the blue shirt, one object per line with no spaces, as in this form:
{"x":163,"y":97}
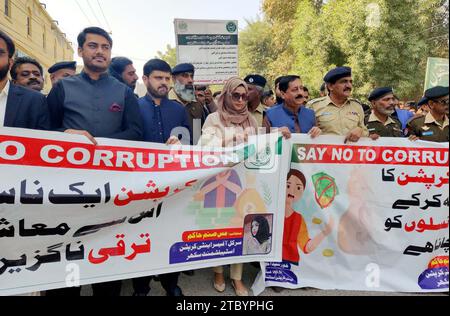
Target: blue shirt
{"x":160,"y":121}
{"x":301,"y":122}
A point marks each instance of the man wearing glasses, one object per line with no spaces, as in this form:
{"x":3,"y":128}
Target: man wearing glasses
{"x":434,"y":126}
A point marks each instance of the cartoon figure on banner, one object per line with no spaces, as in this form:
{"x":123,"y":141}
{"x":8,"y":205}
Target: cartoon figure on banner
{"x":258,"y":234}
{"x":295,"y":229}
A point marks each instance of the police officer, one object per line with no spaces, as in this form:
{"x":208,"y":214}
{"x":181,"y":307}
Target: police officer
{"x":434,"y":126}
{"x":256,"y":85}
{"x":380,"y":121}
{"x":337,"y":113}
{"x":184,"y":93}
{"x":62,"y":70}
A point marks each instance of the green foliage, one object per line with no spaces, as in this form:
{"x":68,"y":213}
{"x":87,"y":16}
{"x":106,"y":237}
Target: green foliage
{"x":170,"y":55}
{"x":386,"y":42}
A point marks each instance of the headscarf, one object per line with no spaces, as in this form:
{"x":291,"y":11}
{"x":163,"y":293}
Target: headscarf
{"x":263,"y":233}
{"x":229,"y":115}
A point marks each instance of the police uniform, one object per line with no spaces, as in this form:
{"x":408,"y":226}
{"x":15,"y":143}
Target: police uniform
{"x":260,"y":81}
{"x":391,"y":128}
{"x":194,"y":109}
{"x":427,"y":128}
{"x":335,"y":120}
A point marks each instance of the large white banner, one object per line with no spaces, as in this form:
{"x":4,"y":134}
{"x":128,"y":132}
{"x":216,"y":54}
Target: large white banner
{"x":72,"y":213}
{"x":370,"y":216}
{"x":211,"y":46}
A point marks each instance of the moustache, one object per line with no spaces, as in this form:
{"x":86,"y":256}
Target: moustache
{"x":33,"y":81}
{"x":163,"y":86}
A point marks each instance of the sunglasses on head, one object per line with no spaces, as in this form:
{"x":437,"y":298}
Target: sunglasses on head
{"x":237,"y":97}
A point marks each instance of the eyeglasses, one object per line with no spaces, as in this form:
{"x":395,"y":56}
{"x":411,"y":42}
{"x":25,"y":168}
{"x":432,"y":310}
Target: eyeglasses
{"x":443,"y":102}
{"x":236,"y":97}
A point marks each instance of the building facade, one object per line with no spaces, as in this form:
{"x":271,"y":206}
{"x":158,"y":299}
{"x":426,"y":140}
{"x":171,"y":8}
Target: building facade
{"x":35,"y":33}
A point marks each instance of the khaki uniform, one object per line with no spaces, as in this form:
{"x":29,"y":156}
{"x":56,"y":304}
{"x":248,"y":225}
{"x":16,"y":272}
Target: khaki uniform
{"x":334,"y":120}
{"x":428,"y":129}
{"x":391,"y":128}
{"x":259,"y":114}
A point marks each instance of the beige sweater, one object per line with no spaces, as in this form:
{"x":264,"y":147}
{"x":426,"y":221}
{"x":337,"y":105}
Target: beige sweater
{"x":215,"y":134}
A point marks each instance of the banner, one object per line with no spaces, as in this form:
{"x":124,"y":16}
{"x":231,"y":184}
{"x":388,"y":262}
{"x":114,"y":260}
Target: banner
{"x":72,"y":213}
{"x":437,"y":73}
{"x":372,"y":216}
{"x":211,"y":46}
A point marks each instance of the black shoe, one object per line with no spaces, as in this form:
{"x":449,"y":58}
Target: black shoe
{"x":189,"y":273}
{"x":176,"y":292}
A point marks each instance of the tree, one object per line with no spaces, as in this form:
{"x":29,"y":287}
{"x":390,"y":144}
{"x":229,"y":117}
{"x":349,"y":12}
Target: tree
{"x":255,"y":48}
{"x":170,"y":56}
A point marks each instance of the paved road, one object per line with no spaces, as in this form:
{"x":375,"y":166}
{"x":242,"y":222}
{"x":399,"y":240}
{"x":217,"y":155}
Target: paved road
{"x":201,"y":284}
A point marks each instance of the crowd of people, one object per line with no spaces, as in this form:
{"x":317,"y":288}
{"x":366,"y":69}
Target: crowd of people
{"x":100,"y":102}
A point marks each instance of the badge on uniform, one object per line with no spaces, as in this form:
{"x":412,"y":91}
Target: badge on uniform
{"x":425,"y":128}
{"x":430,"y":133}
{"x":326,"y":114}
{"x":353,"y":113}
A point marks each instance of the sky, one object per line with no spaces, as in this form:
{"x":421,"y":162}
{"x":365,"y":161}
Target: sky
{"x":141,"y":28}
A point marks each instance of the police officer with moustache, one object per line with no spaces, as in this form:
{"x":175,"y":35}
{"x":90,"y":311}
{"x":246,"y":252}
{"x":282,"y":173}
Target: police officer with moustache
{"x":338,"y":113}
{"x":380,"y":121}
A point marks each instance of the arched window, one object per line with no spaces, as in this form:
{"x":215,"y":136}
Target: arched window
{"x":44,"y":38}
{"x":29,"y":20}
{"x":8,"y":8}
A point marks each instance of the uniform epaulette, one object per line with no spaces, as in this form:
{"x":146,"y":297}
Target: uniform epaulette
{"x":356,"y":100}
{"x":314,"y":101}
{"x":415,"y":118}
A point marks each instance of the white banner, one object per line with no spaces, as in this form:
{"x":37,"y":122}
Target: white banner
{"x":211,"y":46}
{"x":373,"y":216}
{"x":72,"y":213}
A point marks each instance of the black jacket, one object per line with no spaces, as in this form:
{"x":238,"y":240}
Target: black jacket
{"x":26,"y":109}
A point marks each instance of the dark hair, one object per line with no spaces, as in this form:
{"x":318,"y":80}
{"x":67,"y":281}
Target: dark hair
{"x":285,"y":81}
{"x":217,"y":93}
{"x":323,"y":87}
{"x":266,"y":95}
{"x":156,"y":65}
{"x":117,"y":67}
{"x":299,"y":175}
{"x":201,"y":88}
{"x":305,"y":89}
{"x":277,"y":81}
{"x":263,"y":233}
{"x":24,"y":60}
{"x":93,"y":30}
{"x":9,"y":44}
